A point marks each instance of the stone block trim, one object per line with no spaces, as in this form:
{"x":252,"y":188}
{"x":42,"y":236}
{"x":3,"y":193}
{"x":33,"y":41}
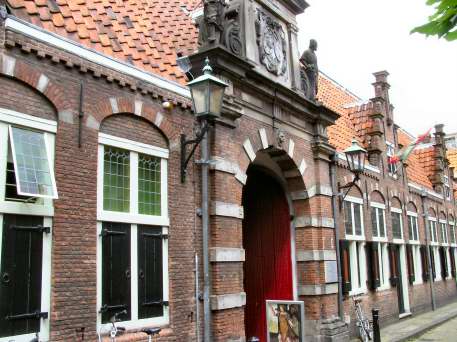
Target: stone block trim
{"x":316,"y":255}
{"x":317,"y":290}
{"x":314,"y":221}
{"x":228,"y":301}
{"x":315,"y":190}
{"x":226,"y":209}
{"x":223,"y":165}
{"x":263,"y":137}
{"x":223,"y":254}
{"x":249,"y":149}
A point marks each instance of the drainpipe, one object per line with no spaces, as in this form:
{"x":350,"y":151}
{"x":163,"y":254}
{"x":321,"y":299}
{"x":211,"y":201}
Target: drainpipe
{"x":427,"y":239}
{"x":335,"y":211}
{"x":205,"y":227}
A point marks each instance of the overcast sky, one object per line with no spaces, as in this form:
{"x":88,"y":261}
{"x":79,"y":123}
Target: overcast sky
{"x":359,"y":37}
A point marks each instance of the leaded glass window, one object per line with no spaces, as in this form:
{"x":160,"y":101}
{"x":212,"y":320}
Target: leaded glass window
{"x":396,"y":225}
{"x":149,"y":184}
{"x":32,"y":165}
{"x":116,"y":179}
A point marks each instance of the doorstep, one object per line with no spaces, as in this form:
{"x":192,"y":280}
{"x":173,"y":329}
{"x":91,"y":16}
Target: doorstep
{"x":416,"y":325}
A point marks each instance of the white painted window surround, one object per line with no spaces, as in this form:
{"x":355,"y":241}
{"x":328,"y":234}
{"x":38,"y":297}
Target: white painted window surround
{"x":349,"y":200}
{"x":417,"y":261}
{"x":399,"y":211}
{"x":134,"y":219}
{"x":380,"y":226}
{"x":358,"y":268}
{"x":384,"y":267}
{"x":41,"y":207}
{"x":413,"y":222}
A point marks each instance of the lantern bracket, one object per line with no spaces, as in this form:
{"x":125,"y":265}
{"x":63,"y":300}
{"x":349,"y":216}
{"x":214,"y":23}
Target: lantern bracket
{"x":194,"y":142}
{"x":342,"y":192}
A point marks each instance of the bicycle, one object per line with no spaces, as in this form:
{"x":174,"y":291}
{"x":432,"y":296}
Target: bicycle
{"x":364,"y":325}
{"x":114,"y":329}
{"x":151,"y":332}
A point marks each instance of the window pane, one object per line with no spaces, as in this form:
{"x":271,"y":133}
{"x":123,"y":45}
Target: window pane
{"x":116,"y":180}
{"x":374,"y":223}
{"x":382,"y":223}
{"x":149,"y":194}
{"x":411,"y":227}
{"x":348,"y":218}
{"x":396,"y":225}
{"x":31,"y":163}
{"x":358,"y":219}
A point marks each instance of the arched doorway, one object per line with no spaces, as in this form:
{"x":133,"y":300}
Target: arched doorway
{"x":267,"y":242}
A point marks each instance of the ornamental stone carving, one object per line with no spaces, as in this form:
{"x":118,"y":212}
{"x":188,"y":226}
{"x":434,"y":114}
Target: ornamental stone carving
{"x":271,"y":40}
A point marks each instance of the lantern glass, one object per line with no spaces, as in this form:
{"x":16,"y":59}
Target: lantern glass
{"x":216,"y":94}
{"x":200,"y":97}
{"x":355,"y":156}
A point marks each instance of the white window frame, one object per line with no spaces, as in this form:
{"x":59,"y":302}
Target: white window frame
{"x":448,"y":261}
{"x":444,"y":223}
{"x":437,"y":259}
{"x":432,"y":223}
{"x":452,"y":230}
{"x":42,"y":207}
{"x":380,"y":206}
{"x":361,"y":262}
{"x":447,"y":188}
{"x":413,"y":216}
{"x":356,"y":200}
{"x":390,"y":152}
{"x":383,"y":256}
{"x":398,"y":211}
{"x":417,"y":260}
{"x":16,"y":169}
{"x":134,"y":219}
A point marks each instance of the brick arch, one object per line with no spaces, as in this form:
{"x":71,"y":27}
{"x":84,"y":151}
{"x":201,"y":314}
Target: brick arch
{"x":135,"y":106}
{"x":442,"y":215}
{"x":451,"y":218}
{"x":39,"y":81}
{"x":412,"y":207}
{"x":431,"y":212}
{"x":395,"y":202}
{"x":377,"y":196}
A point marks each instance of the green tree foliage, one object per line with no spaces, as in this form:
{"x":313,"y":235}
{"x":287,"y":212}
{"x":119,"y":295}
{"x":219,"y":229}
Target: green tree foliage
{"x":443,"y":23}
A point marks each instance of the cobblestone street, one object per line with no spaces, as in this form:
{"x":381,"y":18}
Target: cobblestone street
{"x":446,"y":332}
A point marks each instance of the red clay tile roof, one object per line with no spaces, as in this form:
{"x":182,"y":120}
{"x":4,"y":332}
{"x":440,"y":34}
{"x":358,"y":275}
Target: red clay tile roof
{"x":415,"y":169}
{"x":452,"y":157}
{"x":335,"y":97}
{"x":145,"y":33}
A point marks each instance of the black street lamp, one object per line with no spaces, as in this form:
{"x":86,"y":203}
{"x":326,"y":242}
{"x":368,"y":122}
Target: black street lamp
{"x":207,"y":92}
{"x":355,"y":156}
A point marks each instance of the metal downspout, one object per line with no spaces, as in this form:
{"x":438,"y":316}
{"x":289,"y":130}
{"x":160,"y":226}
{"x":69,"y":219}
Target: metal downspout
{"x":333,"y":184}
{"x":205,"y":227}
{"x":427,"y":239}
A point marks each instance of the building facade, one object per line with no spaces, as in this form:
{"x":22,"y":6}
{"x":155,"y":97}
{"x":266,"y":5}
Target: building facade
{"x":96,"y":221}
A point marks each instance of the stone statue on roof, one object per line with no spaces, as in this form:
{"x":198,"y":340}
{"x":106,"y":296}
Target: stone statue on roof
{"x":213,"y":21}
{"x":310,"y":71}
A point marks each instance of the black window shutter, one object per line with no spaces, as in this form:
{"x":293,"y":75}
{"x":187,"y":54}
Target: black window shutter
{"x":393,"y":264}
{"x":443,"y":260}
{"x":20,"y":274}
{"x":410,"y":262}
{"x":424,"y":260}
{"x":451,"y":251}
{"x":432,"y":262}
{"x":150,"y":272}
{"x":345,"y":265}
{"x":115,"y":270}
{"x":372,"y":253}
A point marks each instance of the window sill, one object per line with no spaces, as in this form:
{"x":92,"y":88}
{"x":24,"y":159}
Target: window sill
{"x":23,"y":338}
{"x":357,"y":292}
{"x":434,"y":243}
{"x":380,"y":239}
{"x":399,"y":241}
{"x":113,"y":216}
{"x":414,"y":242}
{"x":7,"y":207}
{"x":355,"y":237}
{"x":132,"y":326}
{"x":445,"y":244}
{"x":404,"y":315}
{"x":383,"y":288}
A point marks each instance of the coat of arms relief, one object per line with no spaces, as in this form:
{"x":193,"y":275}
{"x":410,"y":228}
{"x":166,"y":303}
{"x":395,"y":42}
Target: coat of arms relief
{"x":271,"y":40}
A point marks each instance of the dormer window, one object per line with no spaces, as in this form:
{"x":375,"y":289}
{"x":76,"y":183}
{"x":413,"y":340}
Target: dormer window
{"x":447,"y":188}
{"x":390,"y":151}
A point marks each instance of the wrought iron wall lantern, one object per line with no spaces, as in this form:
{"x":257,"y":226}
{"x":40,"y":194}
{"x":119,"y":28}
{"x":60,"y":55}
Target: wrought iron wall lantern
{"x":355,"y":156}
{"x":207,"y":92}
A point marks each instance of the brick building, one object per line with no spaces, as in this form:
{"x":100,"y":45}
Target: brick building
{"x":94,"y":216}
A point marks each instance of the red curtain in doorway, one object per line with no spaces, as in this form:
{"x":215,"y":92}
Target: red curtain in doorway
{"x":266,"y":239}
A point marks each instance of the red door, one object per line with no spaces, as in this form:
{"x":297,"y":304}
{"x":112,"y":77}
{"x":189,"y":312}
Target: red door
{"x":266,"y":239}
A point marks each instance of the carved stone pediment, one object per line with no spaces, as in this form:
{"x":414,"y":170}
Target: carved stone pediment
{"x":271,"y":40}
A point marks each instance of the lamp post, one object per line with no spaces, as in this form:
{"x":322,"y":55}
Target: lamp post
{"x":355,"y":157}
{"x":207,"y":92}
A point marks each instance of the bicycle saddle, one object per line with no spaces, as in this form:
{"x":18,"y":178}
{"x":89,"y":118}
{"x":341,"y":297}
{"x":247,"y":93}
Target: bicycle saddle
{"x":151,"y":331}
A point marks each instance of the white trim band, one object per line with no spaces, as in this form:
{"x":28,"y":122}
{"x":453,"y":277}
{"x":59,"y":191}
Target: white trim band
{"x":228,"y":301}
